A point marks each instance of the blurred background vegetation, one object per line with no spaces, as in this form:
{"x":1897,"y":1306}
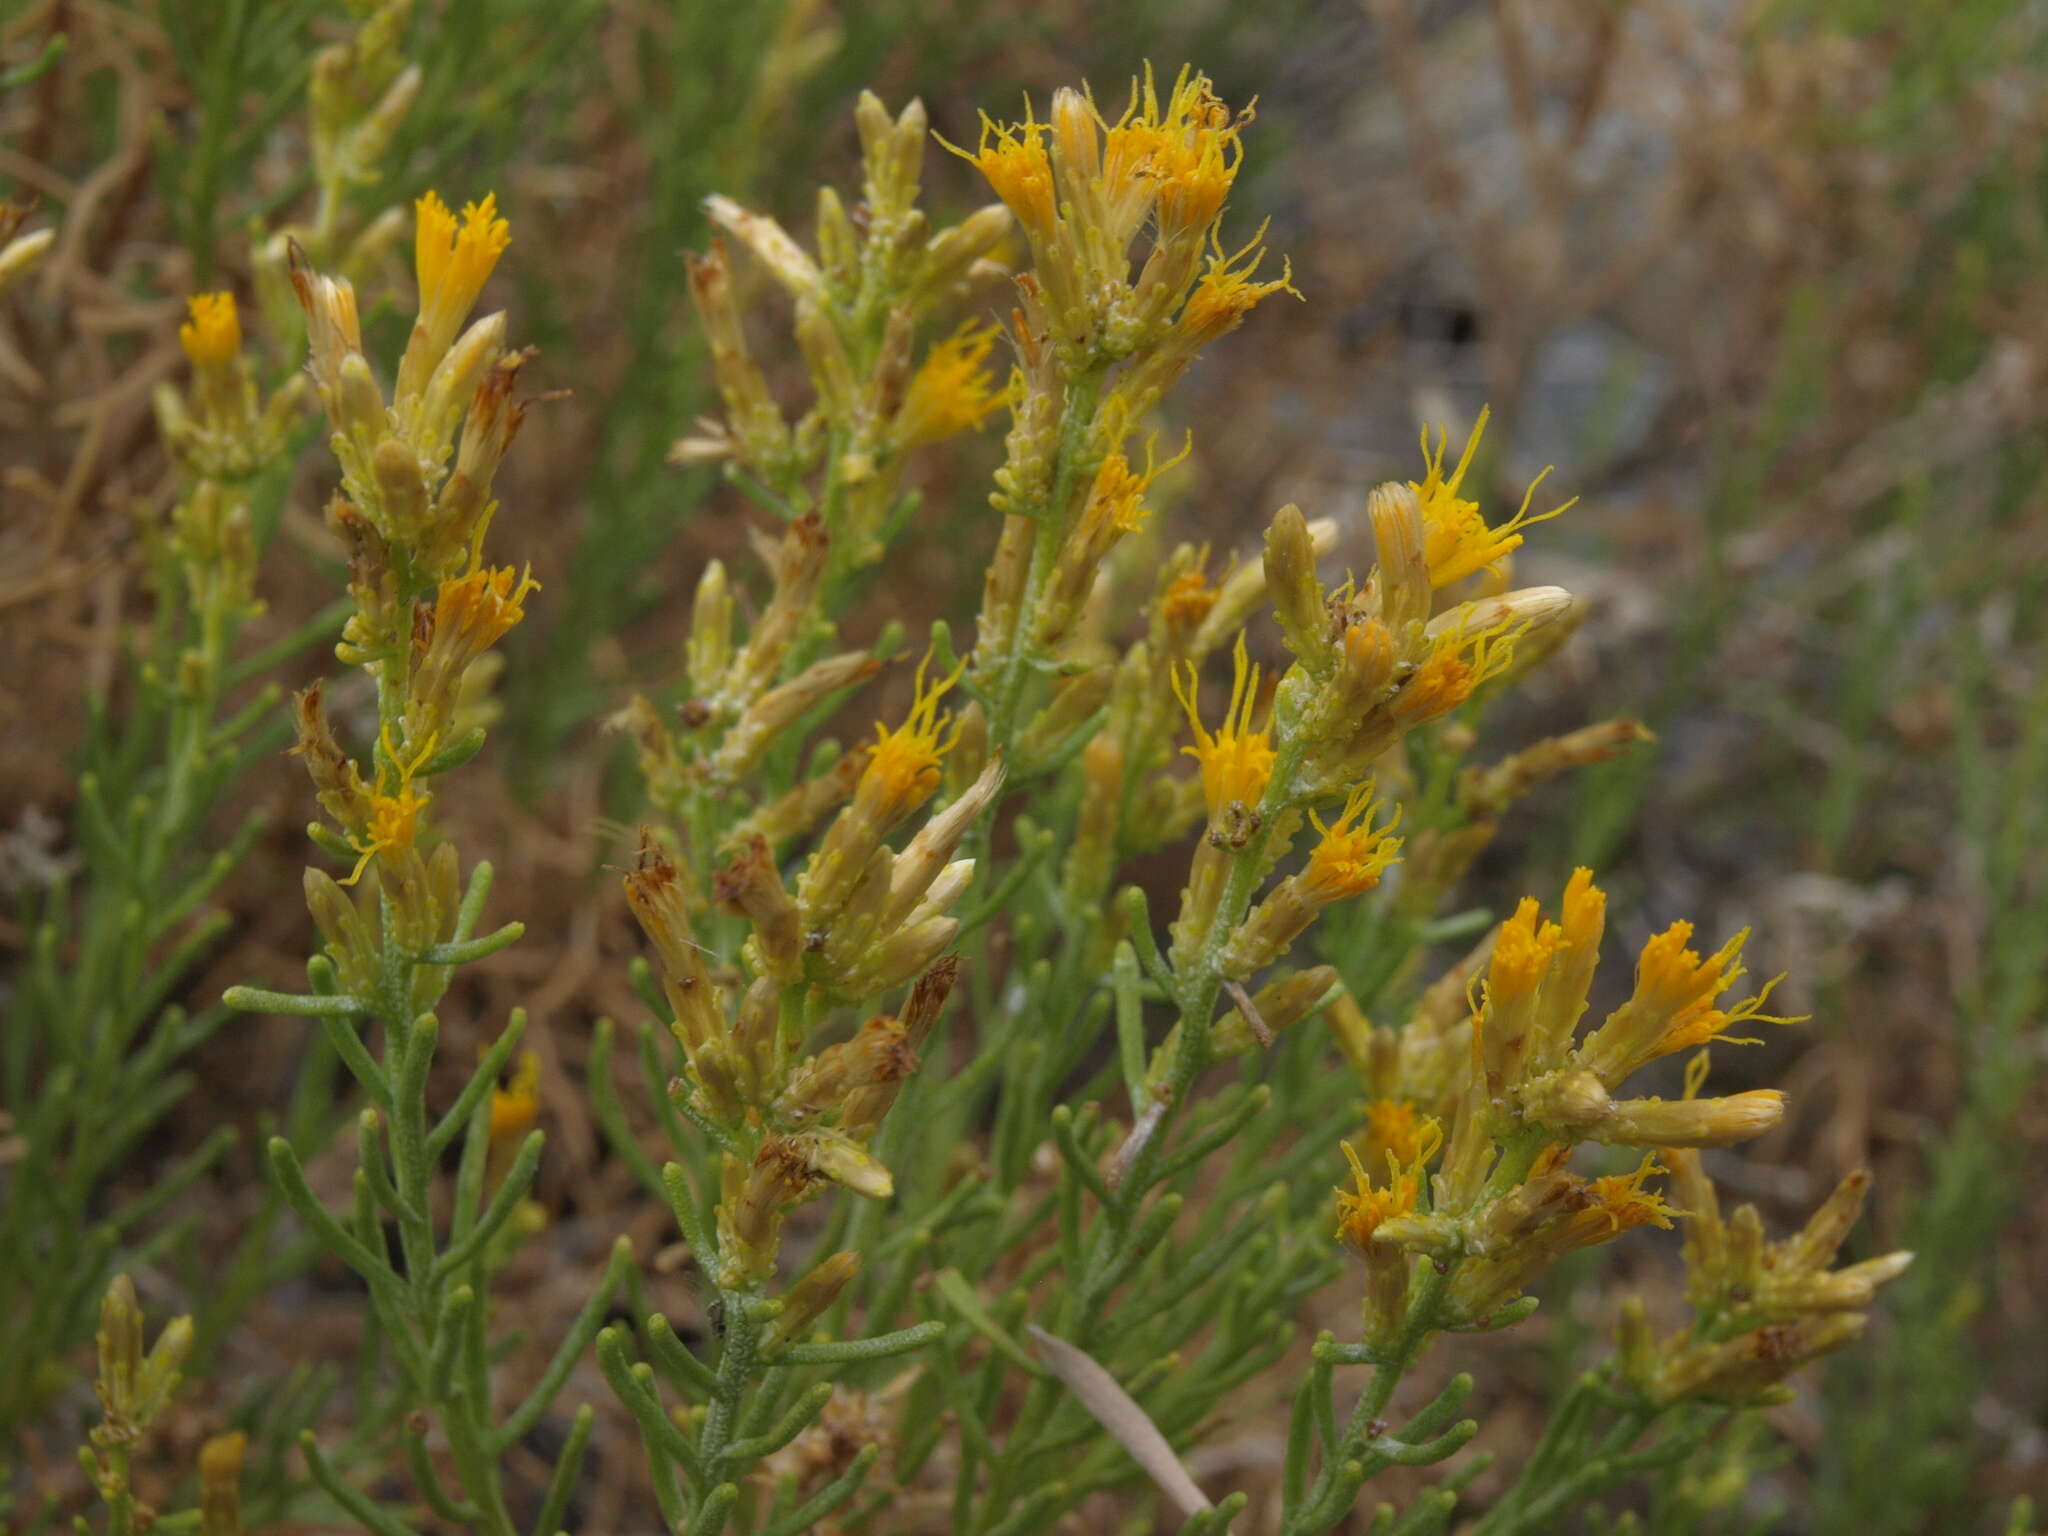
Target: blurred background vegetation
{"x":1765,"y":281}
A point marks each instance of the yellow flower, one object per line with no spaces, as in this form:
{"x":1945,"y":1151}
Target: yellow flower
{"x":1116,"y":500}
{"x":1619,"y":1202}
{"x":1237,"y":761}
{"x":1585,"y":912}
{"x":1674,"y":981}
{"x":514,"y":1107}
{"x":213,"y":336}
{"x":1181,"y":161}
{"x":1012,"y":156}
{"x":394,"y":818}
{"x":1457,"y":541}
{"x":453,"y":264}
{"x":1362,"y":1210}
{"x":1522,"y":953}
{"x":1456,"y":665}
{"x":1395,"y":1133}
{"x":903,"y":772}
{"x":1353,"y":853}
{"x":951,"y":391}
{"x":1228,"y":292}
{"x":1188,"y":599}
{"x":474,"y":611}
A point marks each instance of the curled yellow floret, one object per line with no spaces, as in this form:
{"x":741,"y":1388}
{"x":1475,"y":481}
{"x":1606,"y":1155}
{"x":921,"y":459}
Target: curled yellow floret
{"x":1237,"y":760}
{"x":1457,"y":541}
{"x":213,"y":336}
{"x":1352,"y":853}
{"x":454,"y":262}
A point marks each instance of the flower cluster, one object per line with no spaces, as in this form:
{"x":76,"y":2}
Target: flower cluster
{"x":1761,"y":1309}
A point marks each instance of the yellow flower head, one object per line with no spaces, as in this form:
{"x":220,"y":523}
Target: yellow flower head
{"x":474,"y":611}
{"x":1457,"y":541}
{"x":1675,"y":984}
{"x":1353,"y":853}
{"x":1181,"y":160}
{"x":1619,"y":1202}
{"x":1396,"y":1134}
{"x":453,"y":264}
{"x":1188,"y":599}
{"x":514,"y":1107}
{"x":1236,"y":761}
{"x":1117,"y":499}
{"x":951,"y":392}
{"x":1362,"y":1210}
{"x":1013,"y":158}
{"x":903,"y":771}
{"x":1456,"y":665}
{"x":213,"y":336}
{"x":1228,"y":291}
{"x":394,"y":818}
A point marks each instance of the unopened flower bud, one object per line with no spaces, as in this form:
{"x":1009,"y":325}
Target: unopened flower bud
{"x":1691,"y":1122}
{"x":810,"y":1298}
{"x":1290,"y":566}
{"x":770,"y":243}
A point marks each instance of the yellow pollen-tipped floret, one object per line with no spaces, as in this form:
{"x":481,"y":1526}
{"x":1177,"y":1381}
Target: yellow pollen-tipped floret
{"x":1585,"y":909}
{"x":951,"y":391}
{"x":1522,"y":953}
{"x":903,"y":771}
{"x":1457,"y":541}
{"x":1236,"y":761}
{"x":213,"y":336}
{"x":1182,"y":159}
{"x":453,"y":263}
{"x":1353,"y":853}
